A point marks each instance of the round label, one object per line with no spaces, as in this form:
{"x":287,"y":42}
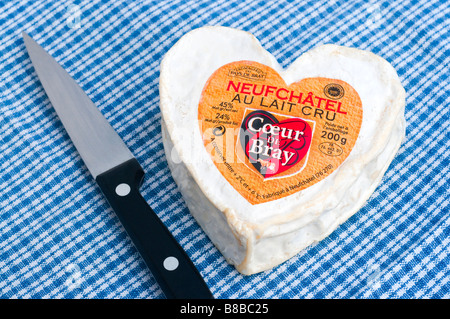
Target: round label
{"x":269,"y":139}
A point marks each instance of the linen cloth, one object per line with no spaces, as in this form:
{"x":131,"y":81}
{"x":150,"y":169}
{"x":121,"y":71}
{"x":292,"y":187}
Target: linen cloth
{"x":60,"y":239}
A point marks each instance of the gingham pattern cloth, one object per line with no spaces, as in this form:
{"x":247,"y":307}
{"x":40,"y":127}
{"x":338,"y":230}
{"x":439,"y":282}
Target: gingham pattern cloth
{"x":60,"y":239}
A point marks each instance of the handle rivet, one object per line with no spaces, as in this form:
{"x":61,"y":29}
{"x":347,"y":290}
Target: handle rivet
{"x":171,"y":263}
{"x":123,"y":189}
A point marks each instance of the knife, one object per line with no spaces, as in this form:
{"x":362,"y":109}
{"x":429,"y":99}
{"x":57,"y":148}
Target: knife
{"x":119,"y":176}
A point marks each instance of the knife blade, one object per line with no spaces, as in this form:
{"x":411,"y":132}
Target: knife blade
{"x":119,"y":176}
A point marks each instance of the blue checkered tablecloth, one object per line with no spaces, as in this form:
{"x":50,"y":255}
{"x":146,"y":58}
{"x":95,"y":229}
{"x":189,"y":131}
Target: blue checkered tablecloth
{"x":60,"y":239}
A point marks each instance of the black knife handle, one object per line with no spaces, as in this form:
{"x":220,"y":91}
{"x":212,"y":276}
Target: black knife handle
{"x":170,"y":265}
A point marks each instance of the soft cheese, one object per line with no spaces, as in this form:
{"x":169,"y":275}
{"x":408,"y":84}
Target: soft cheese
{"x":255,"y":234}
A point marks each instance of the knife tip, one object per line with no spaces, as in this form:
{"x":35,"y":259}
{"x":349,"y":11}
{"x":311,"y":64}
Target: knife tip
{"x":27,"y":40}
{"x":26,"y":37}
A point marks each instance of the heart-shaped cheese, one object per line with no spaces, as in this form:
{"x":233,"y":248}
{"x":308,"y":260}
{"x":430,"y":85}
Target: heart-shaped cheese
{"x":271,"y":160}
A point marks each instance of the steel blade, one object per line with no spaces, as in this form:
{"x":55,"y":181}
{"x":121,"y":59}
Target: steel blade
{"x":100,"y":147}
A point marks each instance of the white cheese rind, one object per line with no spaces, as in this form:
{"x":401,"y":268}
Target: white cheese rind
{"x":258,"y":237}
